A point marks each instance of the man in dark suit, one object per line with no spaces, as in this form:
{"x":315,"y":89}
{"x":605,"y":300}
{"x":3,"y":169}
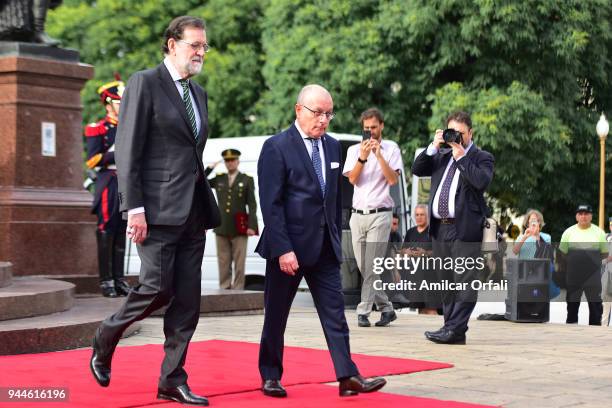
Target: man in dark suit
{"x":299,"y":191}
{"x":163,"y":126}
{"x":459,"y":178}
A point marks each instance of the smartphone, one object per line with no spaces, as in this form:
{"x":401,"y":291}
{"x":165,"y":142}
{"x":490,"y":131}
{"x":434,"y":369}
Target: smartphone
{"x":366,"y":134}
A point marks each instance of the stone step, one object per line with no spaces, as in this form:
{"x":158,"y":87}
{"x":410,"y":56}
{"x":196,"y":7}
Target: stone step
{"x":5,"y":274}
{"x":59,"y":331}
{"x":74,"y":328}
{"x":88,"y":284}
{"x":220,"y":302}
{"x":34,"y":296}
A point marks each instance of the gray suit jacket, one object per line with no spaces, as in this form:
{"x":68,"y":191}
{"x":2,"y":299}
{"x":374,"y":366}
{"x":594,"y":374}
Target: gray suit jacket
{"x":157,"y":156}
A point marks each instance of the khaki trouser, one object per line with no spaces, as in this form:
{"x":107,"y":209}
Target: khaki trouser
{"x":229,"y":249}
{"x":370,"y":236}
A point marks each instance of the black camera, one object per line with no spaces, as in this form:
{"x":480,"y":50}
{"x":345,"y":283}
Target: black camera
{"x":366,"y":134}
{"x":452,"y":136}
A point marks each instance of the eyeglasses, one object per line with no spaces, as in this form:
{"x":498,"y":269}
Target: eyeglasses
{"x":196,"y":46}
{"x":328,"y":115}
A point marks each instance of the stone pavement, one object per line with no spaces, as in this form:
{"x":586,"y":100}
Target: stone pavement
{"x":504,"y":363}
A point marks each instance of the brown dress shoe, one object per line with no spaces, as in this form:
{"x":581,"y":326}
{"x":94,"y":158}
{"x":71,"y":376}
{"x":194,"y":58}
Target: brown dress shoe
{"x":356,"y":384}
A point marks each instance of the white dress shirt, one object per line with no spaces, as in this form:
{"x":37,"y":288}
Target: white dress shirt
{"x":431,"y":151}
{"x":371,"y":191}
{"x":176,"y":77}
{"x":308,"y":145}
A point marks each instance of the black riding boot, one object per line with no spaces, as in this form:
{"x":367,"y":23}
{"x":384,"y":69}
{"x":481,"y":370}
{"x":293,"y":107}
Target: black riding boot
{"x":121,"y":286}
{"x":105,"y":250}
{"x":39,"y":11}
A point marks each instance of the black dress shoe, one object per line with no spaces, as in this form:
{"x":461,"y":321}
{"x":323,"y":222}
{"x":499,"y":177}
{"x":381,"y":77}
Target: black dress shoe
{"x":356,"y":384}
{"x":100,"y":366}
{"x":363,"y":321}
{"x":386,"y":318}
{"x":181,"y":394}
{"x":439,"y":331}
{"x":121,"y":287}
{"x":273,"y":388}
{"x":447,"y":336}
{"x":109,"y":292}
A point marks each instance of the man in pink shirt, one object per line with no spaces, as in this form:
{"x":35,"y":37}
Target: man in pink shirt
{"x":372,"y":167}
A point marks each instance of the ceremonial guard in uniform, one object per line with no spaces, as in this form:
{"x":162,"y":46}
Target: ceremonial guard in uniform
{"x":235,"y":192}
{"x":111,"y":231}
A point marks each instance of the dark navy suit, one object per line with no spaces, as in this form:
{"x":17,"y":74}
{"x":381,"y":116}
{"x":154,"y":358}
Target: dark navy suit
{"x":463,"y":238}
{"x":299,"y":218}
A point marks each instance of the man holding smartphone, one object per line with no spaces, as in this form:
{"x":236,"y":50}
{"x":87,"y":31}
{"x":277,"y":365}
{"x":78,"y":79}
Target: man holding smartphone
{"x":372,"y":167}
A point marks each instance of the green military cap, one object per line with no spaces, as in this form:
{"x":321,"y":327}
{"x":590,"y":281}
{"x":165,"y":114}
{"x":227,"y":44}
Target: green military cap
{"x":230,"y":154}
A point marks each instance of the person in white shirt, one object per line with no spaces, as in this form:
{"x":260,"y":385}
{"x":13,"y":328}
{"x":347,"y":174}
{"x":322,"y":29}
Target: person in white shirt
{"x":372,"y":167}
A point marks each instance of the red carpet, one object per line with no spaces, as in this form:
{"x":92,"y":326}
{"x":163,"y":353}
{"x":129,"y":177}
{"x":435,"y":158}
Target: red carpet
{"x":325,"y":396}
{"x":215,"y":367}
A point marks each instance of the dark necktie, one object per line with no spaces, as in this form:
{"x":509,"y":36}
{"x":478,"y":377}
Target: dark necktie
{"x":445,"y":192}
{"x":189,"y":107}
{"x":316,"y":163}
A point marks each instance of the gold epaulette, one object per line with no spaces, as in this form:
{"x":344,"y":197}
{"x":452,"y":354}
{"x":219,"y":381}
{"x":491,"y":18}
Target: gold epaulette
{"x":94,"y":160}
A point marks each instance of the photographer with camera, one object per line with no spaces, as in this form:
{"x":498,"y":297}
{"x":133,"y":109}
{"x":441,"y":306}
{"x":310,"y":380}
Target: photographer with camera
{"x":459,"y":177}
{"x":372,"y":167}
{"x":527,"y":243}
{"x":533,"y":243}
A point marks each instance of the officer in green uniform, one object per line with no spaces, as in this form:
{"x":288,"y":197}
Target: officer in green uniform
{"x":236,"y":197}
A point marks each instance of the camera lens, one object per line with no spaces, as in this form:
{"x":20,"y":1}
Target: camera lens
{"x":451,"y":136}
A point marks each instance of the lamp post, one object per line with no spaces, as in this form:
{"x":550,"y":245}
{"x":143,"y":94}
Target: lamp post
{"x":602,"y":131}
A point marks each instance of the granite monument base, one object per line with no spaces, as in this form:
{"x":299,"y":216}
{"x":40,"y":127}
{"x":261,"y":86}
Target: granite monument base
{"x":45,"y":223}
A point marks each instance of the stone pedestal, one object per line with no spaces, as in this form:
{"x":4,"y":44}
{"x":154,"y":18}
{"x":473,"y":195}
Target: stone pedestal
{"x":5,"y":274}
{"x":45,"y":224}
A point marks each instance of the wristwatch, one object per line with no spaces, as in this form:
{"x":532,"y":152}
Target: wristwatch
{"x":361,"y":161}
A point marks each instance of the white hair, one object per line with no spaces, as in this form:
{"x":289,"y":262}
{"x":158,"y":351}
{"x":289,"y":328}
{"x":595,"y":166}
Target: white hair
{"x":311,"y":89}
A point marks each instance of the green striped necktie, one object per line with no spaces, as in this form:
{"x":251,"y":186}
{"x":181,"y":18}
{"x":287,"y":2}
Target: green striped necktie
{"x":189,"y":106}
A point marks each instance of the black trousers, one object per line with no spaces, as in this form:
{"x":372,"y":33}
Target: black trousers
{"x":325,"y":285}
{"x":593,"y":295}
{"x":170,"y":273}
{"x":456,"y":304}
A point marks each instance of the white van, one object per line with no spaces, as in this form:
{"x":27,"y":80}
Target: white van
{"x":250,"y":147}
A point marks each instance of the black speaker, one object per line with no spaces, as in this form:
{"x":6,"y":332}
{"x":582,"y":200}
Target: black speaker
{"x":528,"y":298}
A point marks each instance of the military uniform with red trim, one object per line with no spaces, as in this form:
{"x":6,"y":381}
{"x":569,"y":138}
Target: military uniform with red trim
{"x":111,"y":231}
{"x":100,"y":139}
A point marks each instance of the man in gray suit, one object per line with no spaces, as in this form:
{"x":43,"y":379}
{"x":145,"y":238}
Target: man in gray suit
{"x":160,"y":140}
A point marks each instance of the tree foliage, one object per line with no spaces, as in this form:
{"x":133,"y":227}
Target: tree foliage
{"x":120,"y":36}
{"x":535,"y":74}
